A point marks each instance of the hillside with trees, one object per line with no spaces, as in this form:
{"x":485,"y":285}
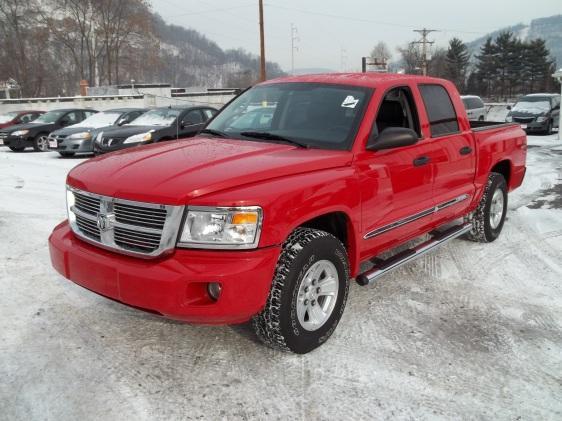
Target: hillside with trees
{"x":48,"y":46}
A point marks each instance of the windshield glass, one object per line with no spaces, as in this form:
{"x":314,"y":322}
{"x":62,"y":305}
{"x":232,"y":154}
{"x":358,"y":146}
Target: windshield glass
{"x":159,"y":117}
{"x":49,"y":117}
{"x":314,"y":114}
{"x":99,"y":120}
{"x":4,"y":118}
{"x":532,"y":105}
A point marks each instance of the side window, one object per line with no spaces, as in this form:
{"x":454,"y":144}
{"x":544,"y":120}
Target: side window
{"x":89,"y":113}
{"x":74,"y":117}
{"x":397,"y":109}
{"x":479,"y":103}
{"x":208,"y":113}
{"x":442,"y":117}
{"x":193,"y":117}
{"x":26,"y":118}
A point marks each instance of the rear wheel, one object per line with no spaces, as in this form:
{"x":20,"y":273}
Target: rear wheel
{"x":17,"y":149}
{"x":308,"y":293}
{"x":40,"y":143}
{"x":488,"y":218}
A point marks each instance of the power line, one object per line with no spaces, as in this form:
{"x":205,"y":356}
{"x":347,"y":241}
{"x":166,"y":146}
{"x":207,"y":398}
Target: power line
{"x":424,"y":43}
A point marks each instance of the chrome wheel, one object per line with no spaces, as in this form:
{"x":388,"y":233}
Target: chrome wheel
{"x":317,"y":295}
{"x":496,"y":209}
{"x":43,"y":143}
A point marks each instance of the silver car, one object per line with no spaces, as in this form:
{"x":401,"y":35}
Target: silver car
{"x":475,"y":107}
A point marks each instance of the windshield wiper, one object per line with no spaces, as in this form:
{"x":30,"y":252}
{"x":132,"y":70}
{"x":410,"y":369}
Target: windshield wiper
{"x":272,"y":136}
{"x":213,"y":132}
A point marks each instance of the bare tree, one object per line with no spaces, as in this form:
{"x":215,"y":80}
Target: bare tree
{"x":381,"y":52}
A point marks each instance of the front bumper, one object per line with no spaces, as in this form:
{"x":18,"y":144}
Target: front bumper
{"x":535,"y":126}
{"x":17,"y":142}
{"x":174,"y":286}
{"x":76,"y":146}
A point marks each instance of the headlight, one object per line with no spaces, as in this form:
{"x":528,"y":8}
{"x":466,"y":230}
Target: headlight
{"x":20,"y":132}
{"x":228,"y":228}
{"x":509,"y":119}
{"x":541,"y":119}
{"x":142,"y":137}
{"x":69,"y":205}
{"x":81,"y":135}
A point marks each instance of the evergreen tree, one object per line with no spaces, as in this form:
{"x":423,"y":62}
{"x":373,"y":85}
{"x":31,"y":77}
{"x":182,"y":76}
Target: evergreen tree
{"x":486,"y":68}
{"x":457,"y":60}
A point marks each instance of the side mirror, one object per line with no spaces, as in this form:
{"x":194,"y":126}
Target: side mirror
{"x":556,"y":108}
{"x":508,"y":107}
{"x":392,"y":137}
{"x":122,"y":121}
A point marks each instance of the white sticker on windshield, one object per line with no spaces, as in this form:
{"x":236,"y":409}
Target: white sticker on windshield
{"x":350,"y":102}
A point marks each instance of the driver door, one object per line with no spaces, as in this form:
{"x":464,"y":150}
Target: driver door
{"x":396,"y":184}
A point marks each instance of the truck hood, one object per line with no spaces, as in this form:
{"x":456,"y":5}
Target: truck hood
{"x":175,"y":172}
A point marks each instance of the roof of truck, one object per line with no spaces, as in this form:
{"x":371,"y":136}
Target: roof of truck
{"x":370,"y":80}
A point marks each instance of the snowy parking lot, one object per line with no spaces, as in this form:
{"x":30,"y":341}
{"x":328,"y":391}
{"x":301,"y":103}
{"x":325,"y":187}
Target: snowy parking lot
{"x":473,"y":331}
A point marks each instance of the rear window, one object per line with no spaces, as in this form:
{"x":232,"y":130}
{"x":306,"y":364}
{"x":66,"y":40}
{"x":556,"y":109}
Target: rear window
{"x":440,"y":110}
{"x":472,"y":103}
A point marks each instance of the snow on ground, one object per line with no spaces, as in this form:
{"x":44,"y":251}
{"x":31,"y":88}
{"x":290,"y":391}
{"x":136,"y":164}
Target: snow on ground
{"x":470,"y":331}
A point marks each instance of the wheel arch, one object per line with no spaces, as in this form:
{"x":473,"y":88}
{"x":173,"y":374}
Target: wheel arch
{"x":340,"y":225}
{"x":504,"y":168}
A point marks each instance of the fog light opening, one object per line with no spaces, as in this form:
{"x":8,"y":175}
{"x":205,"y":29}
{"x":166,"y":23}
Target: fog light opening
{"x":214,"y":290}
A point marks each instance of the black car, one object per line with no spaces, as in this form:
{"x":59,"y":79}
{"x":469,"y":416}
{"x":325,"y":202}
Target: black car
{"x":35,"y":133}
{"x":156,"y":125}
{"x":78,"y":138}
{"x":536,"y":112}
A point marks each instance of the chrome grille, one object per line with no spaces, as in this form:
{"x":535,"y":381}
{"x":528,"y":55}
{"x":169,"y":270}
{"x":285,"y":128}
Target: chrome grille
{"x":129,"y":227}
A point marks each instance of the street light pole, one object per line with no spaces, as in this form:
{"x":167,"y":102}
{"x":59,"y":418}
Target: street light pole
{"x":262,"y":45}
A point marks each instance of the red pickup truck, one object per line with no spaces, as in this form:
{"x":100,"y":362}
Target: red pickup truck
{"x":297,"y":185}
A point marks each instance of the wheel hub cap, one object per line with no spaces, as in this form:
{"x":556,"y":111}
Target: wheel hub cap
{"x":317,"y":295}
{"x":496,"y":209}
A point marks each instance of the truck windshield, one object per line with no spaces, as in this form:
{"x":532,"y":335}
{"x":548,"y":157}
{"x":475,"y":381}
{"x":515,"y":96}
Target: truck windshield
{"x":98,"y":120}
{"x":158,"y":117}
{"x":313,"y":114}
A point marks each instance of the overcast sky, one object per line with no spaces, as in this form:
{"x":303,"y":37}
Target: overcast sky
{"x":335,"y":34}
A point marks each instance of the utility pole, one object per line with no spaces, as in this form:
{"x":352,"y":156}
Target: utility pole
{"x":424,"y":43}
{"x":262,"y":44}
{"x":294,"y":39}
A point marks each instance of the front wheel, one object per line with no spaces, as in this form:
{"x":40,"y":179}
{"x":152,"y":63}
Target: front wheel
{"x":488,"y":218}
{"x":17,"y":149}
{"x":41,"y":143}
{"x":308,"y":292}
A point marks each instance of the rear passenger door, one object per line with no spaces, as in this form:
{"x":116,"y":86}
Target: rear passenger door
{"x":454,"y":154}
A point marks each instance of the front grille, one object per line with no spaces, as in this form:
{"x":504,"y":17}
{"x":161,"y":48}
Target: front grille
{"x":523,"y":119}
{"x":130,"y":227}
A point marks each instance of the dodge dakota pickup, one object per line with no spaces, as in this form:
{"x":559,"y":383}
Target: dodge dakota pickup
{"x":296,"y":187}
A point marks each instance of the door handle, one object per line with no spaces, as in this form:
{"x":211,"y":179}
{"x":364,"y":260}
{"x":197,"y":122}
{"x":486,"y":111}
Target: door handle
{"x":465,"y":150}
{"x":421,"y":160}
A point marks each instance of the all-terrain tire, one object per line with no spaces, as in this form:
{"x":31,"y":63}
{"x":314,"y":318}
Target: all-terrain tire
{"x":483,"y":230}
{"x":16,"y":149}
{"x":278,"y":325}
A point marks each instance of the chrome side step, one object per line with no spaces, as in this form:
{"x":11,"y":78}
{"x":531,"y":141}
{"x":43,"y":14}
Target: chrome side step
{"x":385,"y":266}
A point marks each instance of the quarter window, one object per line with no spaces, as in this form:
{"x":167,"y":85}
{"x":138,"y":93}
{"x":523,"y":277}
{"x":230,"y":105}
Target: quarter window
{"x":440,"y":111}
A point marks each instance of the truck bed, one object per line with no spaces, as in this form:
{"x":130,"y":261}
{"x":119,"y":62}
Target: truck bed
{"x":484,"y":125}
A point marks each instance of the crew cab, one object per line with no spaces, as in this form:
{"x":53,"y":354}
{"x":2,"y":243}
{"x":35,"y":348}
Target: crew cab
{"x":78,"y":138}
{"x":35,"y":133}
{"x":12,"y":118}
{"x":160,"y":124}
{"x":342,"y":176}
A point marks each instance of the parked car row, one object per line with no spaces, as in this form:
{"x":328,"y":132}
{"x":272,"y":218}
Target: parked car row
{"x":72,"y":131}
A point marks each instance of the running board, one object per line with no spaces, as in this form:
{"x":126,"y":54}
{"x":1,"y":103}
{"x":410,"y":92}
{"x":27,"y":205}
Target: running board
{"x":383,"y":267}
